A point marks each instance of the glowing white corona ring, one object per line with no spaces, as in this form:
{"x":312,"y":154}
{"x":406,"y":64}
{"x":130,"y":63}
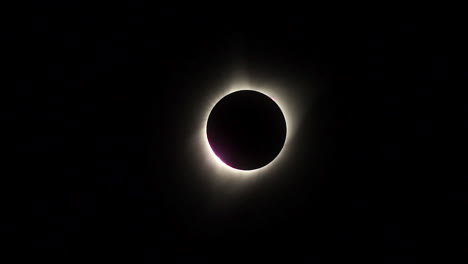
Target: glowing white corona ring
{"x":288,"y":105}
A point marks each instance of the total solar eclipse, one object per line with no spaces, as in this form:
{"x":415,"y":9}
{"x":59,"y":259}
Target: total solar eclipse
{"x":246,"y":130}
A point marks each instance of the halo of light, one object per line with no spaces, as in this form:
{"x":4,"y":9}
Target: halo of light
{"x":289,"y":105}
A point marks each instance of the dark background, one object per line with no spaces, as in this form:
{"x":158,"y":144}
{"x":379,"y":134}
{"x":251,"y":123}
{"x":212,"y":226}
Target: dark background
{"x":96,"y":160}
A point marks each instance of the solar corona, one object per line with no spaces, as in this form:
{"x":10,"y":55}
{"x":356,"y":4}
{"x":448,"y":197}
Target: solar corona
{"x":246,"y":130}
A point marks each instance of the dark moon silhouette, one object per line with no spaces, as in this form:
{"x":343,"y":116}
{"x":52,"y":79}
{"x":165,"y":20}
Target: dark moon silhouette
{"x":246,"y":130}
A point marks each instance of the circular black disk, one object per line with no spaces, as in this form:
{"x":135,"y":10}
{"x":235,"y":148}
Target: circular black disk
{"x":246,"y":130}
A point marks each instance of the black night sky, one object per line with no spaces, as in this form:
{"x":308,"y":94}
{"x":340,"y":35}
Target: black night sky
{"x":99,"y":166}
